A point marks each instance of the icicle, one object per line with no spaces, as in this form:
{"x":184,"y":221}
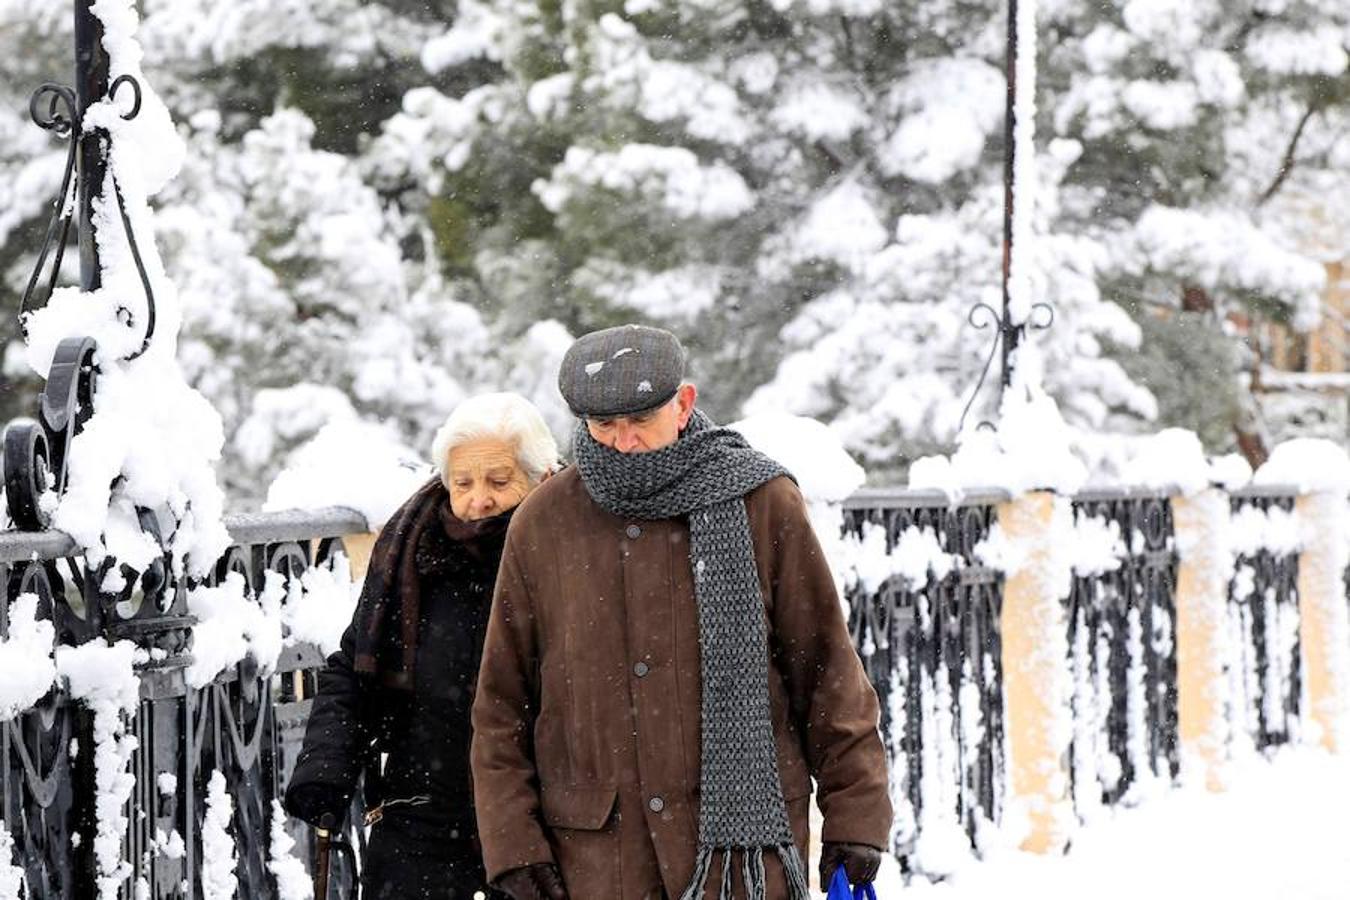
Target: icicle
{"x":1136,"y":703}
{"x":1087,"y":786}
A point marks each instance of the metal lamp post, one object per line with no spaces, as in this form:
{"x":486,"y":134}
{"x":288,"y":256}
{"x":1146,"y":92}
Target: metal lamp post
{"x":35,"y":451}
{"x":1009,"y":332}
{"x":91,"y":85}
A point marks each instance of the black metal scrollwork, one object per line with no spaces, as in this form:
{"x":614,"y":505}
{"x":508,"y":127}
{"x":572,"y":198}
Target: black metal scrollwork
{"x":981,"y":324}
{"x":35,"y":749}
{"x":1265,"y":608}
{"x":992,"y":317}
{"x":61,"y":116}
{"x":126,"y":225}
{"x":36,"y":453}
{"x":53,"y":107}
{"x":917,"y":640}
{"x":1120,"y":627}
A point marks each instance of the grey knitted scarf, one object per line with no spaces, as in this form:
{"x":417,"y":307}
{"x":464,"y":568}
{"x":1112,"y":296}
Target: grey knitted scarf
{"x":705,"y":475}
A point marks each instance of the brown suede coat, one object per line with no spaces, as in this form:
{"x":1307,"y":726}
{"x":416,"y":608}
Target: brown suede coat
{"x":587,"y":717}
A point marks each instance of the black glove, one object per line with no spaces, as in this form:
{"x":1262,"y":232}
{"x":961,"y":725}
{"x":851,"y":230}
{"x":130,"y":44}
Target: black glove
{"x":313,"y":801}
{"x":860,"y":863}
{"x":538,"y":881}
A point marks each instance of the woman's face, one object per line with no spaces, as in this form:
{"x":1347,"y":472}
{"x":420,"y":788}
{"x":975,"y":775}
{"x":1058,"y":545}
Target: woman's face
{"x":485,"y":479}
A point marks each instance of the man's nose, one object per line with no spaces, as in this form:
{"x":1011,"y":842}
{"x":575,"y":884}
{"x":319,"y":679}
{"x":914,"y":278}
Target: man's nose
{"x":626,"y":438}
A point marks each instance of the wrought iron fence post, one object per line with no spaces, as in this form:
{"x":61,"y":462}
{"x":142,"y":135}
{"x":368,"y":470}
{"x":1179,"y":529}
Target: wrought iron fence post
{"x":84,"y":792}
{"x":35,"y":452}
{"x":91,"y":85}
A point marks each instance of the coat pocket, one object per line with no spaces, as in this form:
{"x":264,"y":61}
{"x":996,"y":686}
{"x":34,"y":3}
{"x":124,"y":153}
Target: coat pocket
{"x":585,"y":836}
{"x":584,"y":808}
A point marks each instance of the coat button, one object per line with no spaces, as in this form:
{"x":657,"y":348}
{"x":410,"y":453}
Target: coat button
{"x":633,"y":532}
{"x":641,"y":669}
{"x":656,"y":804}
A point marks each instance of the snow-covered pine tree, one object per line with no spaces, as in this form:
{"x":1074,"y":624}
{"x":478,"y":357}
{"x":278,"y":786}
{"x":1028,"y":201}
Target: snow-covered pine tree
{"x":1206,"y":127}
{"x":308,"y":297}
{"x":809,"y":191}
{"x":889,"y":356}
{"x":386,"y":204}
{"x":307,"y":294}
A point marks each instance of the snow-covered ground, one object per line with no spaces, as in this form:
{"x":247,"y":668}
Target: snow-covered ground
{"x":1279,"y":832}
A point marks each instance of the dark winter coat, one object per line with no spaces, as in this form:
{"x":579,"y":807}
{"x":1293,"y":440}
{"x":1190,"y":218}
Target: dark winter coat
{"x":422,"y":723}
{"x":587,"y":717}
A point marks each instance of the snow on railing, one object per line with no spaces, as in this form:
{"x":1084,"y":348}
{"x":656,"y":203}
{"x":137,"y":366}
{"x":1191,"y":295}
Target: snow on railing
{"x":924,"y":617}
{"x":148,"y":730}
{"x":928,"y":616}
{"x":223,"y":668}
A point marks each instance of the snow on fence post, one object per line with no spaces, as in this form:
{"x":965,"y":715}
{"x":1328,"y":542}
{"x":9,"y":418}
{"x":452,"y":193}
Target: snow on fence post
{"x":1036,"y":687}
{"x":1205,"y":565}
{"x":358,"y":548}
{"x":1030,"y":454}
{"x":1323,"y":630}
{"x":1174,"y":461}
{"x":1320,"y":470}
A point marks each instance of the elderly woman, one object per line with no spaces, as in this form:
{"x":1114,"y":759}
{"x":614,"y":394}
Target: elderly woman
{"x":401,"y":686}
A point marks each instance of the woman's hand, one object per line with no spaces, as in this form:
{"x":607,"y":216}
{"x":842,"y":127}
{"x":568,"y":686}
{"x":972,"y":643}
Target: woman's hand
{"x":311,"y":802}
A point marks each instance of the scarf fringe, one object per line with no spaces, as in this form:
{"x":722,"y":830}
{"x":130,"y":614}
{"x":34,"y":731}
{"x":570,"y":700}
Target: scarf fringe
{"x":725,"y":893}
{"x":702,"y":866}
{"x":799,"y":886}
{"x":752,"y":873}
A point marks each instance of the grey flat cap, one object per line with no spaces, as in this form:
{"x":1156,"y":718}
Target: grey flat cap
{"x":621,"y":371}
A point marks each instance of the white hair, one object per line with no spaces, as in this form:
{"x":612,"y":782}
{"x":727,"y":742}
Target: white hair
{"x":504,"y":416}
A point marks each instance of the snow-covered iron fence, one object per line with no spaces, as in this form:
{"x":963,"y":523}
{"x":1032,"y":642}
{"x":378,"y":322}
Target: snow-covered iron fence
{"x":1264,"y":620}
{"x":928,"y":611}
{"x":930,"y":622}
{"x":1122,"y":652}
{"x":931,"y":648}
{"x":240,"y":731}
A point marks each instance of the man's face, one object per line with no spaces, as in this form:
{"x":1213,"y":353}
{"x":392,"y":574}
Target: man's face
{"x":647,"y":431}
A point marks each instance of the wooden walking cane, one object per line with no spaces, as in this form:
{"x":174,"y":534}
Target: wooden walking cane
{"x":323,"y":847}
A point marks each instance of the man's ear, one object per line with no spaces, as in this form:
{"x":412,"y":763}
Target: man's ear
{"x":686,"y":397}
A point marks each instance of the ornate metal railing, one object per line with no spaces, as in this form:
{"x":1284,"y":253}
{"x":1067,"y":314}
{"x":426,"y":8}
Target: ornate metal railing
{"x":1264,"y":621}
{"x":1122,"y":652}
{"x":932,"y":650}
{"x":931,"y":643}
{"x":246,"y":726}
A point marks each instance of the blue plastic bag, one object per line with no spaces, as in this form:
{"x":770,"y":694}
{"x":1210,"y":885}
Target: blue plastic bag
{"x":840,"y":889}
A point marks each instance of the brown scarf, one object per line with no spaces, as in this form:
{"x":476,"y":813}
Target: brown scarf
{"x":392,"y":590}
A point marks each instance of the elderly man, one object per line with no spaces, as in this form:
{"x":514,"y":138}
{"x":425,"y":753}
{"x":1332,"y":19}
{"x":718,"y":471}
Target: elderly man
{"x":667,"y":665}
